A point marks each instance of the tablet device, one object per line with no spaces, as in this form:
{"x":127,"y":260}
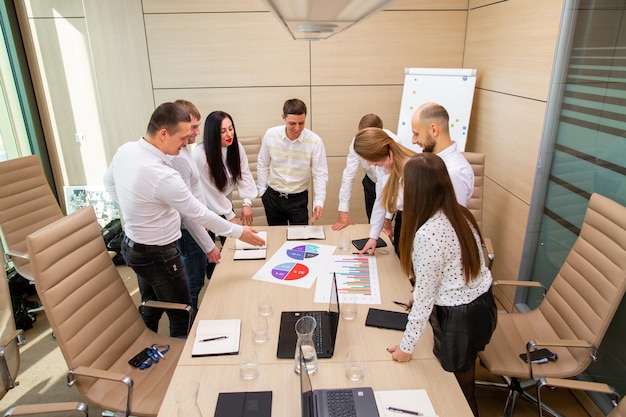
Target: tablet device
{"x":386,"y":319}
{"x":360,"y":243}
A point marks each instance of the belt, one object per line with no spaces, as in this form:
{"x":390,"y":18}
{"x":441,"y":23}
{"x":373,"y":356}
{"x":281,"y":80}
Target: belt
{"x":284,"y":195}
{"x":140,"y":247}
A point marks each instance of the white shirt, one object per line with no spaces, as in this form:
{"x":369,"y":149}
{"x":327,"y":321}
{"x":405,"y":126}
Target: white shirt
{"x":461,"y":173}
{"x":151,"y":194}
{"x":353,"y":161}
{"x":439,"y":275}
{"x":287,"y":165}
{"x":221,"y":201}
{"x":187,"y":170}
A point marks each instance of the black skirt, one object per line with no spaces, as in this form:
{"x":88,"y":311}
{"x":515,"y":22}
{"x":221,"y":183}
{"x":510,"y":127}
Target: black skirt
{"x":460,"y":332}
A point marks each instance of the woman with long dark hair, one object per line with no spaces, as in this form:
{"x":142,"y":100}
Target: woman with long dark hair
{"x":440,"y":244}
{"x":223,"y":163}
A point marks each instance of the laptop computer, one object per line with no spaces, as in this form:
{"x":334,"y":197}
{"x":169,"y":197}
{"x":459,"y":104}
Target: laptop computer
{"x":325,"y":330}
{"x":358,"y":402}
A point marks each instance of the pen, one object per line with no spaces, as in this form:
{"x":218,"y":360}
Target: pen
{"x":210,"y":339}
{"x":362,"y":254}
{"x":402,"y":410}
{"x":405,"y":305}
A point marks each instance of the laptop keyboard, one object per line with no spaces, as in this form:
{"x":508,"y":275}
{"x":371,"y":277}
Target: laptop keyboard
{"x":317,"y":334}
{"x":341,"y":403}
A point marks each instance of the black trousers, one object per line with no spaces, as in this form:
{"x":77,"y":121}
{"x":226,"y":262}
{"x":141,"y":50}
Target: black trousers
{"x":286,"y":209}
{"x":369,"y":190}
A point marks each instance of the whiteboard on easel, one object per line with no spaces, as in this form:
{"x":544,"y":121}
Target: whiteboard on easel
{"x":453,"y":88}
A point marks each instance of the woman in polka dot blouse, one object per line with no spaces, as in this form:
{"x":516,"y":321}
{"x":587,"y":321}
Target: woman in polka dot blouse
{"x":441,"y":245}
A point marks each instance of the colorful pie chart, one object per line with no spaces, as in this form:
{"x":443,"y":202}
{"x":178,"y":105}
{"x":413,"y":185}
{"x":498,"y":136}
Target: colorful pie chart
{"x":290,"y":271}
{"x":301,"y":252}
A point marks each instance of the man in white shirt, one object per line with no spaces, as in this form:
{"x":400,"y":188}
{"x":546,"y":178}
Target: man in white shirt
{"x":151,"y":194}
{"x":195,"y":245}
{"x":353,"y":161}
{"x":289,"y":156}
{"x":431,"y":131}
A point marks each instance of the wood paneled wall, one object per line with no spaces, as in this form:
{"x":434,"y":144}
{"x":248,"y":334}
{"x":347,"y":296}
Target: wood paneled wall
{"x":236,"y":57}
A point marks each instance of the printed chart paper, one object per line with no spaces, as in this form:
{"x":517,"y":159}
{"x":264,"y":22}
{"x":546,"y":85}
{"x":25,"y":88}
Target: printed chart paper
{"x":296,"y":264}
{"x":357,"y":278}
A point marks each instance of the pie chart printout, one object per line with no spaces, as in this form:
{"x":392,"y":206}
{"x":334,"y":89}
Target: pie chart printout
{"x":290,"y":271}
{"x":302,"y":252}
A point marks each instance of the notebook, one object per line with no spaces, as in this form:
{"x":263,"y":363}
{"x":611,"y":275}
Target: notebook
{"x":326,"y":328}
{"x":386,"y":319}
{"x":244,"y":404}
{"x":217,"y":337}
{"x":245,"y":250}
{"x":305,"y":232}
{"x":359,"y":402}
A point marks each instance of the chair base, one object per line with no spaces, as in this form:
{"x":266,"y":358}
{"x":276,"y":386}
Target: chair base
{"x":517,"y":389}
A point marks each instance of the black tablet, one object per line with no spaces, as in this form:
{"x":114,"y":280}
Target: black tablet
{"x":360,"y":243}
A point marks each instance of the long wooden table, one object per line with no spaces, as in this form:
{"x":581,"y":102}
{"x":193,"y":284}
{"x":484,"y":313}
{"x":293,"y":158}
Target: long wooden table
{"x":232,"y":293}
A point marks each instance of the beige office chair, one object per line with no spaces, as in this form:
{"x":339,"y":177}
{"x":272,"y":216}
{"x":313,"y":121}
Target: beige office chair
{"x":10,"y":361}
{"x":252,"y":145}
{"x":96,"y":323}
{"x":26,"y":204}
{"x":574,"y":314}
{"x":475,"y":205}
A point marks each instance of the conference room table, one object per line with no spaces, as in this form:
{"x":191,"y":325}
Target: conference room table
{"x":232,"y":293}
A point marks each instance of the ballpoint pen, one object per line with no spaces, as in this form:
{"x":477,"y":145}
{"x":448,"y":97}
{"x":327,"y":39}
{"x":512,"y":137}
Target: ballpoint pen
{"x":402,"y":410}
{"x":405,"y":305}
{"x":210,"y":339}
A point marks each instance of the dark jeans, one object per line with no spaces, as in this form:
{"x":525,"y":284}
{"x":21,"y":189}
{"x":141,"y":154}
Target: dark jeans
{"x":210,"y":266}
{"x":396,"y":232}
{"x":161,"y":277}
{"x":281,"y":211}
{"x":369,"y":190}
{"x":195,"y":262}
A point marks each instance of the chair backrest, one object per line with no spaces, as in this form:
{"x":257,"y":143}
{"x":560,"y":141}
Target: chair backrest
{"x":89,"y":308}
{"x":9,"y":351}
{"x":475,"y":205}
{"x":26,"y":204}
{"x":589,"y":287}
{"x":252,"y":145}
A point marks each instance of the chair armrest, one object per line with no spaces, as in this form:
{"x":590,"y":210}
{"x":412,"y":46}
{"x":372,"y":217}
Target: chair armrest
{"x":8,"y":338}
{"x":490,"y":252}
{"x":567,"y":343}
{"x":166,"y":305}
{"x":10,"y":254}
{"x":36,"y":409}
{"x":530,"y":284}
{"x":577,"y":385}
{"x":102,"y":374}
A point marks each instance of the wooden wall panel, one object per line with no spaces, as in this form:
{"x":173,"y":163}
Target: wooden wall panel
{"x":336,"y":112}
{"x":508,"y":130}
{"x":53,"y":8}
{"x":512,"y":44}
{"x":120,"y":60}
{"x":223,"y":50}
{"x":480,"y":3}
{"x":194,"y":6}
{"x":428,"y":5}
{"x":377,"y":50}
{"x":253,"y":110}
{"x":504,"y":218}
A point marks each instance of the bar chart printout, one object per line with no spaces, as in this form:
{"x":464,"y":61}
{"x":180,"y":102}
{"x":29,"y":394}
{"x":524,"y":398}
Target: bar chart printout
{"x":357,"y":278}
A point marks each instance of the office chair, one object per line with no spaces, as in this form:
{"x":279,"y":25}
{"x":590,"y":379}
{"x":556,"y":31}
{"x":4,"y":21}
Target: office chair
{"x":96,"y":323}
{"x":575,"y":313}
{"x":26,"y":204}
{"x":252,"y":145}
{"x":10,"y":361}
{"x":475,"y":205}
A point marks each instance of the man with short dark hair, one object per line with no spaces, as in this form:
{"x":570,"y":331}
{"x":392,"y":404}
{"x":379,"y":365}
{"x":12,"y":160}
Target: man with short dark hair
{"x":289,"y":157}
{"x":151,"y":194}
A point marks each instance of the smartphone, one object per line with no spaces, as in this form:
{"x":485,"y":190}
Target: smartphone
{"x":539,"y":356}
{"x":139,"y":358}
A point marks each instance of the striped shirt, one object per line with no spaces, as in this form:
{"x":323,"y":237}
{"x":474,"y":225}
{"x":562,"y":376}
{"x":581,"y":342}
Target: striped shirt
{"x":287,"y":165}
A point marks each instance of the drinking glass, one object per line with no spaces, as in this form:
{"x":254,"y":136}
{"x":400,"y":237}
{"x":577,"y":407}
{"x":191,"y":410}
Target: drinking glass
{"x":355,"y":363}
